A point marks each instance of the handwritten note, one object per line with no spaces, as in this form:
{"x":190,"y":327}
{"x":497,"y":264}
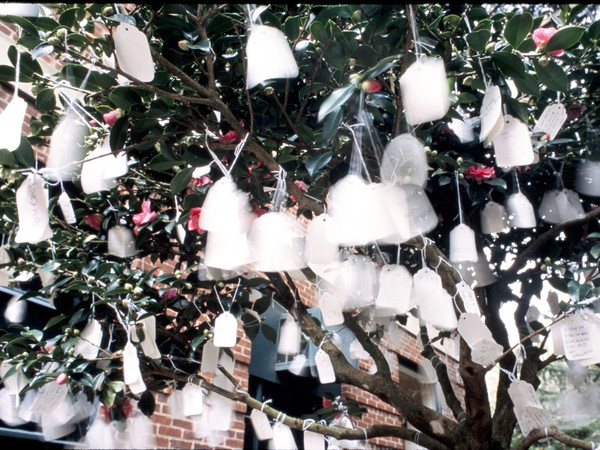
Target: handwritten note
{"x":577,"y":335}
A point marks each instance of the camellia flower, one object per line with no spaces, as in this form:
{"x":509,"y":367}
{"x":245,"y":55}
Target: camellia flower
{"x":202,"y":181}
{"x":480,"y":174}
{"x":111,"y":117}
{"x":541,"y":36}
{"x":231,"y":137}
{"x":94,"y":221}
{"x":575,"y":110}
{"x":370,"y":86}
{"x":194,"y":220}
{"x":326,"y":402}
{"x":171,"y":294}
{"x":146,"y":216}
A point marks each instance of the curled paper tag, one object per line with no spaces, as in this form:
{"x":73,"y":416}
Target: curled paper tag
{"x":357,"y":351}
{"x":64,"y":201}
{"x":491,"y":114}
{"x":512,"y":146}
{"x":32,"y":207}
{"x":148,"y":344}
{"x":472,"y":329}
{"x":225,"y":331}
{"x":551,"y":120}
{"x":133,"y":52}
{"x":66,"y":147}
{"x":226,"y":208}
{"x":192,"y":399}
{"x":88,"y":345}
{"x":436,"y":306}
{"x":101,"y":168}
{"x":132,"y":376}
{"x":261,"y":425}
{"x":11,"y":124}
{"x":468,"y":297}
{"x":324,"y":367}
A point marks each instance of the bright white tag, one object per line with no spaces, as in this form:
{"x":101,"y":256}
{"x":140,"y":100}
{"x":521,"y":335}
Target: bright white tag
{"x":357,"y":351}
{"x":32,"y":207}
{"x":331,"y":309}
{"x":283,"y":439}
{"x":176,"y":404}
{"x":289,"y":337}
{"x":463,"y":246}
{"x":557,"y":342}
{"x":210,"y":357}
{"x":149,"y":343}
{"x":11,"y":123}
{"x":579,"y":338}
{"x":486,"y":351}
{"x":88,"y":345}
{"x":121,"y":242}
{"x":491,"y":114}
{"x":297,"y":365}
{"x":50,"y":396}
{"x":324,"y":367}
{"x":225,"y":331}
{"x":66,"y":207}
{"x":314,"y":441}
{"x":551,"y":120}
{"x":395,"y":286}
{"x":468,"y":297}
{"x":220,"y":412}
{"x":512,"y":146}
{"x":262,"y":426}
{"x":66,"y":147}
{"x":15,"y":382}
{"x":531,"y":418}
{"x":133,"y":52}
{"x":132,"y":376}
{"x":436,"y":306}
{"x":472,"y":329}
{"x":523,"y":394}
{"x":193,"y":399}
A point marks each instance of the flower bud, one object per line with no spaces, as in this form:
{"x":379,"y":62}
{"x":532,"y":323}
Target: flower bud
{"x":184,"y":45}
{"x":61,"y":378}
{"x":544,"y":61}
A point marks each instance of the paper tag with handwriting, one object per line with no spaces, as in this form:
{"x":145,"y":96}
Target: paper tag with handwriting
{"x":261,"y":424}
{"x":551,"y":120}
{"x":523,"y":394}
{"x":579,"y":338}
{"x":50,"y":396}
{"x":210,"y":357}
{"x":193,"y":399}
{"x":64,"y":201}
{"x":32,"y":207}
{"x":324,"y":367}
{"x":491,"y":114}
{"x":331,"y":309}
{"x":314,"y":441}
{"x":486,"y":351}
{"x":472,"y":329}
{"x":225,"y":331}
{"x":530,"y":418}
{"x":468,"y":297}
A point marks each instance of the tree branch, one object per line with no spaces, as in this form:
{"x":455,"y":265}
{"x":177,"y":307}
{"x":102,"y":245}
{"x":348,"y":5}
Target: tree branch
{"x":555,"y":433}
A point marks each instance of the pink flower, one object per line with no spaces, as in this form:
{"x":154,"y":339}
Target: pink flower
{"x":111,"y":117}
{"x":257,"y":210}
{"x":541,"y":36}
{"x":202,"y":181}
{"x":194,"y":220}
{"x":371,"y":86}
{"x":171,"y":294}
{"x":301,"y":185}
{"x":94,"y":221}
{"x":231,"y":137}
{"x":146,"y":216}
{"x":326,"y":402}
{"x":480,"y":173}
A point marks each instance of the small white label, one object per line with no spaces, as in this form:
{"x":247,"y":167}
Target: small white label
{"x":523,"y":394}
{"x":133,"y":52}
{"x":262,"y":426}
{"x":210,"y":357}
{"x":314,"y":441}
{"x":324,"y":367}
{"x":132,"y":376}
{"x":289,"y":337}
{"x":468,"y":297}
{"x":512,"y":147}
{"x":32,"y":208}
{"x":89,"y":344}
{"x":297,"y":365}
{"x":193,"y":399}
{"x":491,"y":113}
{"x":551,"y":120}
{"x":220,"y":412}
{"x":578,"y":338}
{"x":530,"y":418}
{"x":176,"y":404}
{"x":225,"y":331}
{"x":50,"y":396}
{"x":472,"y":329}
{"x":148,"y":345}
{"x":331,"y":309}
{"x":11,"y":123}
{"x":485,"y":352}
{"x":283,"y":439}
{"x":66,"y":207}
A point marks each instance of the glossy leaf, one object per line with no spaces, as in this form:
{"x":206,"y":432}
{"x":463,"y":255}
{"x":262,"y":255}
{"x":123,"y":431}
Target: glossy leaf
{"x":565,"y":38}
{"x":518,"y":28}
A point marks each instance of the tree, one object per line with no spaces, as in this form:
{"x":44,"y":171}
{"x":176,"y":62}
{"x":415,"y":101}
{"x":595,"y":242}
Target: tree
{"x":346,"y":97}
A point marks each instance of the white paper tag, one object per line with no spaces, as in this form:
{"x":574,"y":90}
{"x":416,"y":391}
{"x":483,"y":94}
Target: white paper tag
{"x":132,"y":376}
{"x":512,"y":147}
{"x":557,"y":342}
{"x":395,"y":286}
{"x":472,"y":329}
{"x":324,"y":367}
{"x":261,"y":425}
{"x":32,"y":206}
{"x":436,"y":306}
{"x":176,"y":404}
{"x":283,"y":439}
{"x":193,"y":399}
{"x":220,"y":412}
{"x":226,"y":362}
{"x":133,"y":52}
{"x":486,"y":351}
{"x":289,"y":337}
{"x":530,"y":418}
{"x":579,"y":338}
{"x":331,"y":309}
{"x":225,"y":331}
{"x":148,"y":345}
{"x":88,"y":345}
{"x":210,"y":357}
{"x":66,"y":207}
{"x":314,"y":441}
{"x":468,"y":297}
{"x":11,"y":123}
{"x":357,"y":351}
{"x":491,"y":113}
{"x":297,"y":365}
{"x":551,"y":120}
{"x":523,"y":394}
{"x":50,"y":396}
{"x":15,"y":382}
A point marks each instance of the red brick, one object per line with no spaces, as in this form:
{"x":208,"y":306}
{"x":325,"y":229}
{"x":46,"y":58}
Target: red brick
{"x":169,"y":431}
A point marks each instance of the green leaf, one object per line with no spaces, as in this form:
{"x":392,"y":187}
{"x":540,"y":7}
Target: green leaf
{"x":55,"y":321}
{"x":478,"y":40}
{"x":269,"y":333}
{"x":336,"y":100}
{"x":46,"y":100}
{"x":595,"y":251}
{"x":42,"y":49}
{"x":509,"y":63}
{"x":181,"y":180}
{"x":124,"y":97}
{"x":118,"y":134}
{"x":552,"y":76}
{"x":465,"y":97}
{"x":594,"y":30}
{"x":23,"y":23}
{"x":518,"y":28}
{"x":331,"y":126}
{"x":203,"y":45}
{"x":380,"y":67}
{"x":565,"y":38}
{"x":123,"y":18}
{"x":527,"y":84}
{"x":7,"y":158}
{"x":251,"y":324}
{"x":319,"y":32}
{"x":314,"y":164}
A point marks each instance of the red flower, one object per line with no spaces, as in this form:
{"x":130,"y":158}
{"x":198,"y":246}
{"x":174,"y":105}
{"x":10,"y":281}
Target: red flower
{"x":194,"y":220}
{"x":541,"y":36}
{"x":257,"y":210}
{"x":301,"y":185}
{"x":202,"y":181}
{"x":171,"y":294}
{"x":94,"y":221}
{"x":146,"y":216}
{"x":371,"y":86}
{"x":326,"y":402}
{"x":575,"y":110}
{"x":480,"y":173}
{"x":61,"y":378}
{"x":111,"y":117}
{"x":231,"y":137}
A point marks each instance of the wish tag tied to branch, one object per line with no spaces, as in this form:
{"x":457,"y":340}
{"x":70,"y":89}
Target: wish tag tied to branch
{"x":468,"y":297}
{"x":484,"y":349}
{"x":531,"y":418}
{"x":551,"y":120}
{"x":436,"y":306}
{"x":289,"y":337}
{"x":121,"y":242}
{"x":395,"y":287}
{"x":580,"y":334}
{"x":133,"y":52}
{"x":88,"y":345}
{"x":512,"y":146}
{"x":313,"y":441}
{"x":331,"y":308}
{"x":11,"y":123}
{"x":324,"y":367}
{"x":132,"y":376}
{"x":193,"y":399}
{"x":66,"y":207}
{"x":261,"y":425}
{"x":283,"y":439}
{"x":225,"y":332}
{"x":147,"y":326}
{"x":528,"y":408}
{"x":50,"y":396}
{"x":491,"y":115}
{"x":210,"y":357}
{"x":32,"y":208}
{"x":494,"y":218}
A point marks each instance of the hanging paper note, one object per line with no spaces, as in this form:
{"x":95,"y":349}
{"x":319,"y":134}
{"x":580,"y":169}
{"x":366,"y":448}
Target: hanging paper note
{"x":225,"y":331}
{"x":321,"y":241}
{"x":132,"y":376}
{"x":424,"y":89}
{"x":66,"y":147}
{"x":551,"y":120}
{"x":463,"y":246}
{"x":289,"y":337}
{"x":468,"y":297}
{"x":32,"y":207}
{"x":356,"y":282}
{"x":331,"y":309}
{"x":494,"y":218}
{"x":5,"y":274}
{"x":404,"y":161}
{"x":395,"y":287}
{"x":324,"y":367}
{"x":587,"y":178}
{"x":193,"y":399}
{"x":121,"y":242}
{"x":528,"y":408}
{"x":133,"y":52}
{"x":210,"y":357}
{"x":283,"y":439}
{"x":64,"y":201}
{"x":580,"y":336}
{"x":100,"y":169}
{"x":88,"y":345}
{"x":298,"y":365}
{"x":268,"y":55}
{"x":512,"y":146}
{"x":176,"y":404}
{"x":220,"y":412}
{"x":485,"y":352}
{"x":228,"y":251}
{"x":398,"y":210}
{"x":50,"y":396}
{"x":422,"y":216}
{"x":357,"y":351}
{"x":148,"y":344}
{"x":491,"y":115}
{"x":520,"y":211}
{"x":226,"y":208}
{"x":314,"y":441}
{"x":14,"y":383}
{"x":435,"y":304}
{"x":11,"y":123}
{"x":261,"y":425}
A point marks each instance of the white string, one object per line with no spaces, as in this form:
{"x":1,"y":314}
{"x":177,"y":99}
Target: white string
{"x":510,"y":375}
{"x":280,"y":190}
{"x":305,"y":425}
{"x":460,"y":213}
{"x":417,"y":435}
{"x":478,"y":57}
{"x":357,"y":162}
{"x":415,"y":32}
{"x":18,"y":63}
{"x":219,"y":299}
{"x":366,"y":436}
{"x":238,"y":151}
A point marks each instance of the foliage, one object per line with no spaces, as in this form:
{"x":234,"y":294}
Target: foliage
{"x":198,"y":95}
